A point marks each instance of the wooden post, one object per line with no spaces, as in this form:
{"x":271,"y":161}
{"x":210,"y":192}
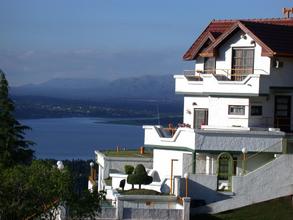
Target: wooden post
{"x":171,"y":182}
{"x":186,"y":186}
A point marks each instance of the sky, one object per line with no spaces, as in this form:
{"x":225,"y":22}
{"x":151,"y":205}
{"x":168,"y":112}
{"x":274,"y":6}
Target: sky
{"x":47,"y":39}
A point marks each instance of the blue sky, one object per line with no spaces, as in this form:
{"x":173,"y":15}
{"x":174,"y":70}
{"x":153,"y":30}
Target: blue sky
{"x":45,"y":39}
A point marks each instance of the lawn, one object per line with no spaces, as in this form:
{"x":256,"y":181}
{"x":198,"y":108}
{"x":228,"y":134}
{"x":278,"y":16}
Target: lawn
{"x":128,"y":153}
{"x":278,"y":209}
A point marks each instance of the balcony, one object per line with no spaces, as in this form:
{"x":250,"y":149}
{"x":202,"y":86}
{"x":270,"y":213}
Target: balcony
{"x":215,"y":139}
{"x":221,"y":81}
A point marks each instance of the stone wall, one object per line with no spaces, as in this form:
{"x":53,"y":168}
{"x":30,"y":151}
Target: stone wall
{"x":154,"y":214}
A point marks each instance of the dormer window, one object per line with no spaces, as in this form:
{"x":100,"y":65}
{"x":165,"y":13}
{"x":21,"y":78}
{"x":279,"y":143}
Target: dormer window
{"x":242,"y":63}
{"x":209,"y":65}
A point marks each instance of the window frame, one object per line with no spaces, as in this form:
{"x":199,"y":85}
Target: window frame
{"x":240,"y":71}
{"x":205,"y":61}
{"x":236,"y":113}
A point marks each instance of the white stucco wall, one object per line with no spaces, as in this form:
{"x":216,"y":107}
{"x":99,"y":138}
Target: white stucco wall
{"x":224,"y":59}
{"x":218,"y":110}
{"x":162,"y":162}
{"x":279,"y":77}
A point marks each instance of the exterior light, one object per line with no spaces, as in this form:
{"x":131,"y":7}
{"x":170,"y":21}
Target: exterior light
{"x":244,"y":151}
{"x":60,"y":165}
{"x":93,"y":171}
{"x":186,"y":184}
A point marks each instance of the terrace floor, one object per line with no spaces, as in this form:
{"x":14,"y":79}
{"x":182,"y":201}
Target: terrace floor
{"x":127,"y":153}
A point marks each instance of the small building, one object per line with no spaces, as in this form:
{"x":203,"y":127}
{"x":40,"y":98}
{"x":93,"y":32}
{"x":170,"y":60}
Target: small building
{"x":113,"y":162}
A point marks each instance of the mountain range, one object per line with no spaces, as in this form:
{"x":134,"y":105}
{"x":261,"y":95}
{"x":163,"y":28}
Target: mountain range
{"x":159,"y":87}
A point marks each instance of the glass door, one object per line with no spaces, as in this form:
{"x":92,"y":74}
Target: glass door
{"x":200,"y":117}
{"x":283,"y":112}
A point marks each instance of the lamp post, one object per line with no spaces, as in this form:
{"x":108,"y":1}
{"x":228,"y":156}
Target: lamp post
{"x":186,"y":184}
{"x":60,"y":165}
{"x":92,"y":165}
{"x":244,"y":152}
{"x":171,"y":179}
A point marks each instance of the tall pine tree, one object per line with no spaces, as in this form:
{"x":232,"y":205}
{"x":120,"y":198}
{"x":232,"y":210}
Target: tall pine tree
{"x":14,"y":149}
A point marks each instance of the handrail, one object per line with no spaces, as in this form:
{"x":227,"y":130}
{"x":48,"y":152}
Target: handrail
{"x":212,"y":71}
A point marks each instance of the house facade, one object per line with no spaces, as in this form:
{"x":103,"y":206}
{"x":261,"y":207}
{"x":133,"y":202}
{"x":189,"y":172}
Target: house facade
{"x":237,"y":114}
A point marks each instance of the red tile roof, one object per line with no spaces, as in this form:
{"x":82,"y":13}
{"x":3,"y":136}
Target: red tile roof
{"x":273,"y":34}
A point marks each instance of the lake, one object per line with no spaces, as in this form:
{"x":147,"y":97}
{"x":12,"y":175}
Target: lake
{"x":78,"y":138}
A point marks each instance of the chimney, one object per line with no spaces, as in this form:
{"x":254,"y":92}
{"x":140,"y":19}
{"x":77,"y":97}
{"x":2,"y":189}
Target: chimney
{"x":141,"y":150}
{"x":287,"y":12}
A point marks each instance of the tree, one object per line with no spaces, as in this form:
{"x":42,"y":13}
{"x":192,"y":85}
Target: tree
{"x":30,"y":189}
{"x":27,"y":192}
{"x":128,"y":169}
{"x":139,"y":176}
{"x":14,"y":149}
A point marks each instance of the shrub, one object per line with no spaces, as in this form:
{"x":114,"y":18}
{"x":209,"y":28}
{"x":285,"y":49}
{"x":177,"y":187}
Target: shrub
{"x":139,"y":177}
{"x":128,"y":169}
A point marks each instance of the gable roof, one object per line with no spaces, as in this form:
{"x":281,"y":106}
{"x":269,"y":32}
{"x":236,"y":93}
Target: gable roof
{"x":273,"y":35}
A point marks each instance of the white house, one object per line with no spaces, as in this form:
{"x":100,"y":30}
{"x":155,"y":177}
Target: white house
{"x":235,"y":141}
{"x":237,"y":114}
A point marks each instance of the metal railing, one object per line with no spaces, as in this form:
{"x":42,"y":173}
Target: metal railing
{"x":221,"y":74}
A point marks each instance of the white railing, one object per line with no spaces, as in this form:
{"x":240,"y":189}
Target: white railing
{"x":223,"y":74}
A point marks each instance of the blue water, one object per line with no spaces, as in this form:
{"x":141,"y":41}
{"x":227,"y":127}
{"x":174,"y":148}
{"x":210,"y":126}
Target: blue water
{"x":78,"y":138}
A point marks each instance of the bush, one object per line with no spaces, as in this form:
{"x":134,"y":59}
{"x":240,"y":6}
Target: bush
{"x":139,"y":177}
{"x":128,"y":169}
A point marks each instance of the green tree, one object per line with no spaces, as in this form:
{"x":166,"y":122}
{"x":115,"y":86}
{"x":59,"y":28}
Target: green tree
{"x":27,"y":192}
{"x":128,"y":169}
{"x":139,"y":176}
{"x":14,"y":149}
{"x":30,"y":190}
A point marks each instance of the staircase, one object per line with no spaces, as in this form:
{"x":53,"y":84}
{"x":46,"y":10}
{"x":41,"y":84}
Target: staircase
{"x":271,"y":181}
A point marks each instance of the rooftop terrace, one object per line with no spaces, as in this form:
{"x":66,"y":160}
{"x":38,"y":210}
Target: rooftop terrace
{"x":128,"y":153}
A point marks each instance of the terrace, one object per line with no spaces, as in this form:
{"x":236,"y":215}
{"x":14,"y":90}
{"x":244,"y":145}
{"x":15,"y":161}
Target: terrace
{"x":214,"y":139}
{"x":221,"y":81}
{"x":128,"y":153}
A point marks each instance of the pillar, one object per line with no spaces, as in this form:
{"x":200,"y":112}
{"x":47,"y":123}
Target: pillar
{"x":186,"y":208}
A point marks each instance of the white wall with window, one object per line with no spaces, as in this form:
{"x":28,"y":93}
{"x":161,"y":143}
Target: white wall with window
{"x":218,"y":111}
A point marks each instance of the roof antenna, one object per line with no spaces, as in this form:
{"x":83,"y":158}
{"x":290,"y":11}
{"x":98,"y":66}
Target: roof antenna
{"x":287,"y":12}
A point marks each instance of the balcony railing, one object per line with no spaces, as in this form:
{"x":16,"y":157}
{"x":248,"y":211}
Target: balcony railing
{"x":222,"y":74}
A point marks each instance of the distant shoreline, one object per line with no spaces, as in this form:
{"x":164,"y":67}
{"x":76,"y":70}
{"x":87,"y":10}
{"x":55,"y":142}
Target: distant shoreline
{"x":136,"y":121}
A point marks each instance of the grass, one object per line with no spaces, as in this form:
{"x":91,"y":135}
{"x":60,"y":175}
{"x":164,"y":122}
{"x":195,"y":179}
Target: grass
{"x":127,"y":153}
{"x":277,"y":209}
{"x":140,"y":192}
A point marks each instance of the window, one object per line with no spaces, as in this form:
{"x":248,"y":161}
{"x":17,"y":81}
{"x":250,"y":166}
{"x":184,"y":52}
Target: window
{"x":256,"y":110}
{"x":209,"y":64}
{"x":242,"y":63}
{"x":236,"y":110}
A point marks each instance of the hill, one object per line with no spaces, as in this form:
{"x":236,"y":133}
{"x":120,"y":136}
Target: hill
{"x":144,"y":87}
